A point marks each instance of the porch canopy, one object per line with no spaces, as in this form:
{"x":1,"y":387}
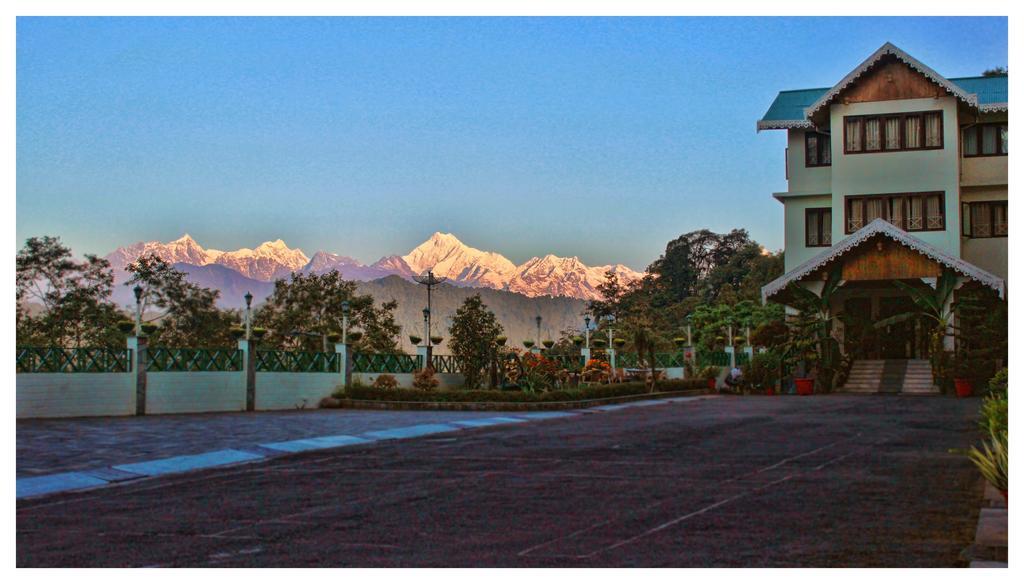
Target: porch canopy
{"x":880,"y":251}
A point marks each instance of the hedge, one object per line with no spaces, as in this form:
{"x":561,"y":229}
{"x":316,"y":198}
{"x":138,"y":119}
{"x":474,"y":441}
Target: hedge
{"x":490,"y":395}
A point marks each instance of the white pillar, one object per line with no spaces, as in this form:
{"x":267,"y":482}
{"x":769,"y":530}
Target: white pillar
{"x":345,"y":363}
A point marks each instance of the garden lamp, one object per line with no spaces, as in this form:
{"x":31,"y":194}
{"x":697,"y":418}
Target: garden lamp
{"x":344,"y":321}
{"x":426,"y":325}
{"x":586,"y":329}
{"x":138,"y":309}
{"x":248,"y":318}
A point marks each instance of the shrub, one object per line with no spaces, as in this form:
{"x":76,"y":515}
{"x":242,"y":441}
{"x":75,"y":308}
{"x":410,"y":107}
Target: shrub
{"x":999,"y":382}
{"x":425,"y":380}
{"x":709,"y":372}
{"x":385,"y":381}
{"x":491,"y":395}
{"x":995,"y":414}
{"x":992,"y":460}
{"x":762,"y":372}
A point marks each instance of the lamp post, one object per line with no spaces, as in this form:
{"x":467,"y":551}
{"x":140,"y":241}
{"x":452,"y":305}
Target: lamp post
{"x":429,"y":280}
{"x":538,"y":332}
{"x":138,"y":310}
{"x":586,"y":329}
{"x":429,"y":358}
{"x":248,"y":315}
{"x":344,"y":322}
{"x":611,"y":319}
{"x":689,"y":330}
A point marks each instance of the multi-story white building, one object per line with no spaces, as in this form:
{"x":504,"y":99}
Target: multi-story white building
{"x":898,"y":173}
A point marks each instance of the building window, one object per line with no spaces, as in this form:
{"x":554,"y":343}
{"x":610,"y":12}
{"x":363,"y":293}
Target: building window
{"x":818,"y":227}
{"x":908,"y":211}
{"x":984,"y":219}
{"x":892,"y":133}
{"x":817,"y":149}
{"x":986,"y":140}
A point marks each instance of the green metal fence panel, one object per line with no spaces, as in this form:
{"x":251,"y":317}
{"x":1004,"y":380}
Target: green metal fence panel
{"x":168,"y":359}
{"x":716,"y":358}
{"x":385,"y":363}
{"x":666,"y":360}
{"x":627,"y":360}
{"x":445,"y":364}
{"x":298,"y":362}
{"x":742,"y":358}
{"x":77,"y":360}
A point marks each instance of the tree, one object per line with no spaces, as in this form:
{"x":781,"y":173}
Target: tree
{"x":683,"y":270}
{"x":611,"y":291}
{"x":303,"y":310}
{"x":187,"y":313}
{"x":994,"y":72}
{"x":74,"y":297}
{"x":812,"y":335}
{"x":473,"y":339}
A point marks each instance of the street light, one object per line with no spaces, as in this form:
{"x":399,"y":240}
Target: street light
{"x":426,"y":325}
{"x":138,"y":309}
{"x":344,"y":322}
{"x":538,"y":330}
{"x":586,"y":329}
{"x":689,"y":330}
{"x":248,"y":318}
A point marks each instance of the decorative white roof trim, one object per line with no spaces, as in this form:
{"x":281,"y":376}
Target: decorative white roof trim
{"x":883,"y":227}
{"x":891,"y":49}
{"x":990,"y":108}
{"x":783,"y":124}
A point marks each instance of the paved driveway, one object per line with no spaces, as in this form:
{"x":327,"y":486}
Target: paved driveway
{"x":755,"y":481}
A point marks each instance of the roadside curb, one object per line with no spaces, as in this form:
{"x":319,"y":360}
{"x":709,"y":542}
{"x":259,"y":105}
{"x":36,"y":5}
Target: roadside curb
{"x":65,"y":482}
{"x":511,"y":406}
{"x":990,"y":548}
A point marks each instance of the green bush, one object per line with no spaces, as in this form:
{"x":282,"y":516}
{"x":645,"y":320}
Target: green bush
{"x":992,"y":460}
{"x":489,"y":395}
{"x":999,"y":382}
{"x":995,"y":414}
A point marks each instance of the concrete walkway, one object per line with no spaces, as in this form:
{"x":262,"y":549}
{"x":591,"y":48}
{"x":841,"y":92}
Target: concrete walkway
{"x":69,"y":454}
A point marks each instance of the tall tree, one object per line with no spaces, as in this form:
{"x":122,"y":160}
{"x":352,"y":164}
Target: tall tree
{"x":306,"y":308}
{"x":187,"y":313}
{"x":74,"y":297}
{"x":473,"y":339}
{"x":683,"y":270}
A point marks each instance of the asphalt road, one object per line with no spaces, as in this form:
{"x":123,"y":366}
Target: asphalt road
{"x":734,"y":481}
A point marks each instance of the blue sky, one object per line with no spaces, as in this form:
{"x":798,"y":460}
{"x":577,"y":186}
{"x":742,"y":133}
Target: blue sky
{"x":600,"y":138}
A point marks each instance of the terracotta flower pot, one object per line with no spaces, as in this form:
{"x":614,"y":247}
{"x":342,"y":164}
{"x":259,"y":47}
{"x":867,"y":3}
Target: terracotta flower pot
{"x":711,"y":384}
{"x":963,"y":387}
{"x":804,"y":386}
{"x":1006,"y":497}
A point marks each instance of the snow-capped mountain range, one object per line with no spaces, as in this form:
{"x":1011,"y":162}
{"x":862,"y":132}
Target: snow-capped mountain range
{"x":442,"y":253}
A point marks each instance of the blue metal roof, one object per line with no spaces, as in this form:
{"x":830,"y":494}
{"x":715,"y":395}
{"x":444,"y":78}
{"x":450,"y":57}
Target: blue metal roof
{"x":789,"y":105}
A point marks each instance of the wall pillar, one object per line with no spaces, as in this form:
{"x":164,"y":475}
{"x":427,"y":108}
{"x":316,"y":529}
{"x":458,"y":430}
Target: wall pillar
{"x":611,"y":358}
{"x":248,"y":348}
{"x":585,"y":352}
{"x":424,"y":354}
{"x":345,"y":365}
{"x":137,"y":345}
{"x":731,"y":350}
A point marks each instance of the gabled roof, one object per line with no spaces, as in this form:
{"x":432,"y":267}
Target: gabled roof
{"x":794,"y":108}
{"x":886,"y":229}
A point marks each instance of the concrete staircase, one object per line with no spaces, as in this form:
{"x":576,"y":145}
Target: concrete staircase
{"x":908,"y":376}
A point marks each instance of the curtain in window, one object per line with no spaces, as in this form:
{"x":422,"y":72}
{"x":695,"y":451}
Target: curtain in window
{"x":971,"y":141}
{"x":999,"y":226}
{"x":915,"y":214}
{"x":892,"y":133}
{"x":853,"y":143}
{"x":932,"y":130}
{"x":826,"y":149}
{"x":826,"y":227}
{"x":872,"y":134}
{"x":812,"y":228}
{"x":873,"y":209}
{"x":896,"y":211}
{"x":933,"y":205}
{"x":912,"y":131}
{"x":812,"y":149}
{"x":989,"y":136}
{"x":1004,"y":138}
{"x":980,"y":220}
{"x":855,"y":220}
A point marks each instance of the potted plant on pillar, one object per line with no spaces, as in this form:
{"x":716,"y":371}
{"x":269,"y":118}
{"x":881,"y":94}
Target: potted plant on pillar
{"x":415,"y":340}
{"x":125,"y":326}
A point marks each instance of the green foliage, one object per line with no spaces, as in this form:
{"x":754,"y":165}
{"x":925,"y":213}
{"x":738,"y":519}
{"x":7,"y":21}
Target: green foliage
{"x":70,"y":300}
{"x":187,"y":313}
{"x":385,"y":381}
{"x":992,"y":460}
{"x":999,"y":383}
{"x":473,"y":339}
{"x":497,"y":396}
{"x":763,"y":371}
{"x":995,"y":414}
{"x":311,"y":304}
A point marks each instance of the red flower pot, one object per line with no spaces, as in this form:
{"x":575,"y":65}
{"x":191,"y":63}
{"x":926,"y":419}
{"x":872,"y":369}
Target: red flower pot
{"x":769,"y":391}
{"x":804,"y":386}
{"x":712,"y":384}
{"x":1006,"y":497}
{"x":963,"y":387}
